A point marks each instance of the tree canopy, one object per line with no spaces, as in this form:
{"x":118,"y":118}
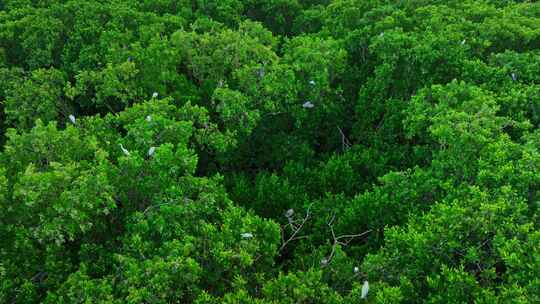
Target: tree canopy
{"x":269,"y":151}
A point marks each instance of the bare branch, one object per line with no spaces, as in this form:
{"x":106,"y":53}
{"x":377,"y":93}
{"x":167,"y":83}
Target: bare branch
{"x":296,"y":229}
{"x":155,"y":206}
{"x":337,"y":240}
{"x":345,"y":143}
{"x":352,"y":236}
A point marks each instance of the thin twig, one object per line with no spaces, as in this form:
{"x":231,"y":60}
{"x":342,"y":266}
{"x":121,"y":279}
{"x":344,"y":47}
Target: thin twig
{"x":155,"y":206}
{"x":345,"y":143}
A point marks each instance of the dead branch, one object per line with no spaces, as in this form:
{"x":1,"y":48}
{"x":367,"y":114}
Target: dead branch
{"x":296,"y":228}
{"x":345,"y":143}
{"x":342,"y":240}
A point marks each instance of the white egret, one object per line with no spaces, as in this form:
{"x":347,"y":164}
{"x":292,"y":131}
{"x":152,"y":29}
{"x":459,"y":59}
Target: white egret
{"x":155,"y":95}
{"x":312,"y":82}
{"x":356,"y":269}
{"x":514,"y":76}
{"x":289,"y":213}
{"x":148,"y":118}
{"x":365,"y":290}
{"x":247,"y":235}
{"x":151,"y":151}
{"x":72,"y":118}
{"x":124,"y":150}
{"x":308,"y":105}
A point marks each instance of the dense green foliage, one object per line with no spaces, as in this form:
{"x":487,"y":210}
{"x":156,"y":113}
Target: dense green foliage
{"x":269,"y":151}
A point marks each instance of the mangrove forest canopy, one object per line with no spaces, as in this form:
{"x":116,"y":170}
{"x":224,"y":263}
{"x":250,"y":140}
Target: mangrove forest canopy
{"x":269,"y":151}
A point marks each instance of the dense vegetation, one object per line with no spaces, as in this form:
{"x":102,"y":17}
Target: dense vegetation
{"x":269,"y":151}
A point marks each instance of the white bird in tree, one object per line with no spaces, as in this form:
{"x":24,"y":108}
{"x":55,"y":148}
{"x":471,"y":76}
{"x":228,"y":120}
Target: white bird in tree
{"x":149,"y":118}
{"x":289,"y":213}
{"x":151,"y":151}
{"x":308,"y":105}
{"x":312,"y":82}
{"x":124,"y":150}
{"x":72,"y":118}
{"x":365,"y":290}
{"x":514,"y":76}
{"x":355,"y":269}
{"x":247,"y":235}
{"x":155,"y":95}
